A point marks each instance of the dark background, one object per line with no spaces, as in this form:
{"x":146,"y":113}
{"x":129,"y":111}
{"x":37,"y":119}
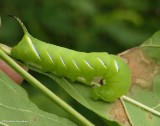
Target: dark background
{"x":85,"y":25}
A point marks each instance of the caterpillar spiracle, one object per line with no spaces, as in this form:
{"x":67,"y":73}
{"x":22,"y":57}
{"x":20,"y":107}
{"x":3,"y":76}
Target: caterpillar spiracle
{"x":112,"y":73}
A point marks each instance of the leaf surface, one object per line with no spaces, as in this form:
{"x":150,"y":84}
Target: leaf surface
{"x":144,"y":62}
{"x":17,"y":110}
{"x":82,"y":94}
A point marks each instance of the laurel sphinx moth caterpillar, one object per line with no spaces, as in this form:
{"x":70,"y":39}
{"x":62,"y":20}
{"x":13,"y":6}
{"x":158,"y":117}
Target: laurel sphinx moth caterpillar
{"x":112,"y":73}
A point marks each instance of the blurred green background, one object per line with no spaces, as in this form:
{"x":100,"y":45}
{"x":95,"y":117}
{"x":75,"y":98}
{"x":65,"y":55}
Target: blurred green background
{"x":84,"y":25}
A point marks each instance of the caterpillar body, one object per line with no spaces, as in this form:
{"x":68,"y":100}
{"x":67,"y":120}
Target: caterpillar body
{"x":108,"y":74}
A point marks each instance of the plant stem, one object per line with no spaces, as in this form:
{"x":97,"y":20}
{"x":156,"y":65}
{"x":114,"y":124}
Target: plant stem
{"x":45,"y":90}
{"x":141,"y":105}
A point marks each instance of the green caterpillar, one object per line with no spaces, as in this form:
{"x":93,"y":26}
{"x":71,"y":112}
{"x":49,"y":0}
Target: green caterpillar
{"x":108,"y":74}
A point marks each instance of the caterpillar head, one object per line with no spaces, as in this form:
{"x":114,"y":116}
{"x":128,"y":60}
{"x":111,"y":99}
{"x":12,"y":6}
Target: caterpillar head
{"x":111,"y":89}
{"x":104,"y":92}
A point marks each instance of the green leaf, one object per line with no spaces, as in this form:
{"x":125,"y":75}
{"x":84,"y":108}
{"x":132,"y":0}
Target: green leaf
{"x":82,"y":94}
{"x":17,"y":110}
{"x":151,"y":47}
{"x":144,"y":62}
